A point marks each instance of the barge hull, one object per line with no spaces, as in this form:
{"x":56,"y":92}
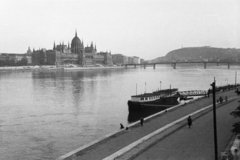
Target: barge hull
{"x":158,"y":105}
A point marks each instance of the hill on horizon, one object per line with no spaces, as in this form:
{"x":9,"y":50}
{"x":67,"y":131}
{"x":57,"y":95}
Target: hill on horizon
{"x":205,"y":53}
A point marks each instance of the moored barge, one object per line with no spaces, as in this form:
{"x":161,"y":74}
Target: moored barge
{"x":154,"y":101}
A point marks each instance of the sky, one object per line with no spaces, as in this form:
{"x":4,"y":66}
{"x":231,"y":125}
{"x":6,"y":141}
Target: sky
{"x":144,"y":28}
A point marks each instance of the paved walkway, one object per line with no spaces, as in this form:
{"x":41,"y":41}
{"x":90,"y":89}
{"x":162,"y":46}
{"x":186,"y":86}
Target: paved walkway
{"x":196,"y":143}
{"x":125,"y":138}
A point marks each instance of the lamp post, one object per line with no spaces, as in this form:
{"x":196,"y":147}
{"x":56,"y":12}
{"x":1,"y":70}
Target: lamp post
{"x":160,"y":85}
{"x":145,"y":87}
{"x":227,"y":81}
{"x":214,"y":120}
{"x":235,"y":79}
{"x":136,"y":88}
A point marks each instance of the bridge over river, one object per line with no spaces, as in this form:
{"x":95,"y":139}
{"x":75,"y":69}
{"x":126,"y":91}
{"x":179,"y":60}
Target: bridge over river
{"x":174,"y":64}
{"x":165,"y":135}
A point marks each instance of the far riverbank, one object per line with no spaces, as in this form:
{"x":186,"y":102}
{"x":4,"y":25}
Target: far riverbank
{"x":40,"y":68}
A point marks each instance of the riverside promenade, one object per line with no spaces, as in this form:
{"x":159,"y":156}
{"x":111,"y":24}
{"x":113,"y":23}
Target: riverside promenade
{"x":166,"y":135}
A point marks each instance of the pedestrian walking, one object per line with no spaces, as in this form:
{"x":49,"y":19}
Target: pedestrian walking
{"x":220,"y":99}
{"x":226,"y":98}
{"x":189,"y":122}
{"x":141,"y":121}
{"x":208,"y":93}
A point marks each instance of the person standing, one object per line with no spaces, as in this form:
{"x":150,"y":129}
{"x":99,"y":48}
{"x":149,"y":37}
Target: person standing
{"x":236,"y":155}
{"x":141,"y":121}
{"x":121,"y":126}
{"x":189,"y":122}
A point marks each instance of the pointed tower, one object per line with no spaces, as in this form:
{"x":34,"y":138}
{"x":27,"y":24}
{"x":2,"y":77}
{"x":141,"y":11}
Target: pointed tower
{"x":68,"y":46}
{"x":62,"y":47}
{"x":54,"y":47}
{"x":91,"y":45}
{"x":29,"y":52}
{"x":95,"y":47}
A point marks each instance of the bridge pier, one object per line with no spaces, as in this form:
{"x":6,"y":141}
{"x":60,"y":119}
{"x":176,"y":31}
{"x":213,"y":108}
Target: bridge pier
{"x":144,"y":66}
{"x":135,"y":66}
{"x":228,"y":65}
{"x":205,"y":65}
{"x":126,"y":66}
{"x":154,"y":66}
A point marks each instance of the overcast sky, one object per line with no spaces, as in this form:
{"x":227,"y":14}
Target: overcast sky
{"x":144,"y":28}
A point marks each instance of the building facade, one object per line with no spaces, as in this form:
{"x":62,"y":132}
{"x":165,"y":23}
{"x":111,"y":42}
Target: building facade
{"x":136,"y":60}
{"x":107,"y":58}
{"x":119,"y":59}
{"x":13,"y":59}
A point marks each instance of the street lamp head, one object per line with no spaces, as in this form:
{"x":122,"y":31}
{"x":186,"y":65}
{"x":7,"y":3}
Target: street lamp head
{"x":213,"y":84}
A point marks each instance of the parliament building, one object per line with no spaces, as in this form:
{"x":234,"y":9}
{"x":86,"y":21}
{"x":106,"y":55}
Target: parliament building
{"x":76,"y":54}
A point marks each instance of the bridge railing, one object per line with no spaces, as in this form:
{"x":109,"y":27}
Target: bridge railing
{"x":193,"y":93}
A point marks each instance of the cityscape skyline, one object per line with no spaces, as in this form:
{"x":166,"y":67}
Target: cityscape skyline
{"x":147,"y":29}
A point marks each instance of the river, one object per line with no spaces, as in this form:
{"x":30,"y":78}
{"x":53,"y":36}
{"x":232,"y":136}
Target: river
{"x":44,"y":115}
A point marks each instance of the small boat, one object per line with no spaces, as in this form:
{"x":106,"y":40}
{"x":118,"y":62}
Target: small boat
{"x":155,"y":101}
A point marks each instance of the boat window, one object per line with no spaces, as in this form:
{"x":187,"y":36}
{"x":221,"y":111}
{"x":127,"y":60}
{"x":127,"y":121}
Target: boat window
{"x":142,"y":98}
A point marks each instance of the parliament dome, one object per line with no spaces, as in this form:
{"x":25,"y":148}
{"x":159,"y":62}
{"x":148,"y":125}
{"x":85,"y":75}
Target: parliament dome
{"x":76,"y":44}
{"x":76,"y":40}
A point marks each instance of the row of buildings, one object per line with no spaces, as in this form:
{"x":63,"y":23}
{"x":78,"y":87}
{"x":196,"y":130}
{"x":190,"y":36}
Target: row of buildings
{"x":62,"y":55}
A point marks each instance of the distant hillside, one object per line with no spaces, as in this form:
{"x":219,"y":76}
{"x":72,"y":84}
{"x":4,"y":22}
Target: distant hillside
{"x":201,"y":54}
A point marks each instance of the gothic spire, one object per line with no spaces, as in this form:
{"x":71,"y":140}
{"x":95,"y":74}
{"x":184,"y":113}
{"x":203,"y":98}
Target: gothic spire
{"x":91,"y":46}
{"x":76,"y":33}
{"x":54,"y":47}
{"x":82,"y":43}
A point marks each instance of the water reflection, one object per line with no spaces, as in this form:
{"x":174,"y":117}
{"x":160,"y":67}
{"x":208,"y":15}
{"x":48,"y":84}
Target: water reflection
{"x":68,"y":109}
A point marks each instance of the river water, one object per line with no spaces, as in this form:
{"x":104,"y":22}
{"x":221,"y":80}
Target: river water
{"x":44,"y":115}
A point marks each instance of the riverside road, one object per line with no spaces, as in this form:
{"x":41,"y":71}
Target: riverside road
{"x":196,"y":143}
{"x":177,"y":142}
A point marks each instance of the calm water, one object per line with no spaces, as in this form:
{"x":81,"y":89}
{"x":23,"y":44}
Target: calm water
{"x":45,"y":115}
